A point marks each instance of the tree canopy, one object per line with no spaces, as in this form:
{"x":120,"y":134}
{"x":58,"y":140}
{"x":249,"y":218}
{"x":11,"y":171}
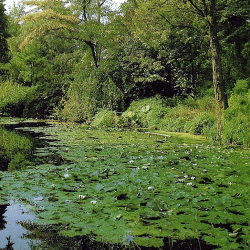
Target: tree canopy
{"x":86,"y":55}
{"x":3,"y":34}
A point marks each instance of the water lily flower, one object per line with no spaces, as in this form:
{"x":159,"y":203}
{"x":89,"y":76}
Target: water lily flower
{"x":93,"y":202}
{"x":131,"y":161}
{"x":192,"y":177}
{"x":66,"y":175}
{"x":118,"y":217}
{"x":82,"y":197}
{"x":180,"y":181}
{"x":53,"y":185}
{"x":185,"y":176}
{"x":189,"y":183}
{"x":151,"y":188}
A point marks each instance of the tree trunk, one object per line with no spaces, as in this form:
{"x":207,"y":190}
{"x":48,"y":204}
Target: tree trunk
{"x":218,"y":82}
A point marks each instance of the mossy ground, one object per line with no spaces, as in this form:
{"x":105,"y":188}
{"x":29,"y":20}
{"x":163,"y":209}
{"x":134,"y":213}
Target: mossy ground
{"x":131,"y":188}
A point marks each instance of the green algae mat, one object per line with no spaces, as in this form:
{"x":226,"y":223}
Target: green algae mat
{"x":136,"y":189}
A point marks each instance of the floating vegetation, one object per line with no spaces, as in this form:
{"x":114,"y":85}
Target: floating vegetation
{"x":124,"y":187}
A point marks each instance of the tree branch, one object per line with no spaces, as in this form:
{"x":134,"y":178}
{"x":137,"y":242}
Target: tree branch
{"x":200,"y":11}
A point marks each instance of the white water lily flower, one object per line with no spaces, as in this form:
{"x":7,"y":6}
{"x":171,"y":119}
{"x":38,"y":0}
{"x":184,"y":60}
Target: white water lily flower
{"x":181,"y":180}
{"x":53,"y":185}
{"x":151,"y":188}
{"x":131,"y":161}
{"x":66,"y":175}
{"x":189,"y":183}
{"x":82,"y":197}
{"x":192,"y":178}
{"x":118,"y":217}
{"x":185,"y":176}
{"x":93,"y":202}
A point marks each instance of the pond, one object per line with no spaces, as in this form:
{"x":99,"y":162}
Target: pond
{"x":10,"y":215}
{"x":85,"y":188}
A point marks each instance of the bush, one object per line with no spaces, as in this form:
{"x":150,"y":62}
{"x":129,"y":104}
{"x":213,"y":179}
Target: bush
{"x":201,"y":124}
{"x":14,"y":97}
{"x":236,"y":119}
{"x":146,"y":113}
{"x":105,"y":118}
{"x":177,"y":117}
{"x":80,"y":103}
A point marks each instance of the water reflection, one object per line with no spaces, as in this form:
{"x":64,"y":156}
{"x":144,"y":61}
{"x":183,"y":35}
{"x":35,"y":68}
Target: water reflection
{"x":10,"y":215}
{"x":19,"y":146}
{"x":2,"y":220}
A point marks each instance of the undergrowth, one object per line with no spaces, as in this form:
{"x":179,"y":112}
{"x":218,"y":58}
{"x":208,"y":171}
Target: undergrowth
{"x":173,"y":115}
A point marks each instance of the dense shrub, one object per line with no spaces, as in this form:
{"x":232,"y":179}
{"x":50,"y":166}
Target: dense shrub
{"x":14,"y":97}
{"x":196,"y":117}
{"x":146,"y":113}
{"x":202,"y":124}
{"x":85,"y":96}
{"x":105,"y":118}
{"x":236,"y":119}
{"x":80,"y":102}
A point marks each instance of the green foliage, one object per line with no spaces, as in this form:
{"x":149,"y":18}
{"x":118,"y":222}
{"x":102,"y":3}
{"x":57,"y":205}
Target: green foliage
{"x":202,"y":124}
{"x":176,"y":119}
{"x":146,"y":113}
{"x":91,"y":90}
{"x":14,"y":97}
{"x":80,"y":102}
{"x":173,"y":115}
{"x":105,"y":118}
{"x":237,"y":117}
{"x":3,"y":35}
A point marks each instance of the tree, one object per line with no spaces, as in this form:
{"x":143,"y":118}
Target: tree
{"x":82,"y":21}
{"x":203,"y":16}
{"x":3,"y":34}
{"x":167,"y":59}
{"x":209,"y":11}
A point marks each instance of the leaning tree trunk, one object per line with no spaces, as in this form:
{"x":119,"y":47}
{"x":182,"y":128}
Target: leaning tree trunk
{"x":218,"y":82}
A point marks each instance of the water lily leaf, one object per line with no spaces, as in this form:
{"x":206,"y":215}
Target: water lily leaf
{"x":149,"y":241}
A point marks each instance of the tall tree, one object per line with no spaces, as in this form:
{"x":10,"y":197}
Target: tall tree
{"x":210,"y":12}
{"x":3,"y":34}
{"x":82,"y":21}
{"x":205,"y":16}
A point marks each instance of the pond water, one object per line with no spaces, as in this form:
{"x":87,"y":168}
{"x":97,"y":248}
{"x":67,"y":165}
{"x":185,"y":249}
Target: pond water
{"x":10,"y":215}
{"x":74,"y":187}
